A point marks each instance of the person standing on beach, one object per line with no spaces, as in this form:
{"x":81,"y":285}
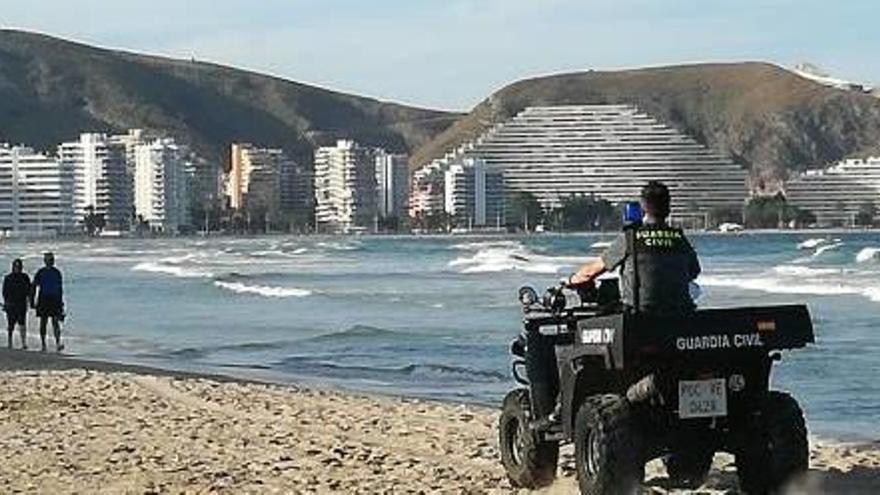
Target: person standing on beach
{"x":49,"y":292}
{"x":17,"y":297}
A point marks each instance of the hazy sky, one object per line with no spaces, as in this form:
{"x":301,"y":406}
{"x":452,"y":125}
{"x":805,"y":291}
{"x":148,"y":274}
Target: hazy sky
{"x":453,"y":53}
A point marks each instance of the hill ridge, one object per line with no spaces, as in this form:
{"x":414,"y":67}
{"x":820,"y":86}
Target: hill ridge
{"x":762,"y":116}
{"x":51,"y":89}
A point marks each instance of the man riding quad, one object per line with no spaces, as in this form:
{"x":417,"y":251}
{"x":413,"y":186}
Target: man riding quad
{"x":633,"y":372}
{"x":656,"y":277}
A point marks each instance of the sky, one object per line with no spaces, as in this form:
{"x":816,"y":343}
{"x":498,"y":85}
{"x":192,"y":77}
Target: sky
{"x":451,"y":54}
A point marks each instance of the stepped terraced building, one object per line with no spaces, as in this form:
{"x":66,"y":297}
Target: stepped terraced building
{"x":836,"y":194}
{"x":607,"y":150}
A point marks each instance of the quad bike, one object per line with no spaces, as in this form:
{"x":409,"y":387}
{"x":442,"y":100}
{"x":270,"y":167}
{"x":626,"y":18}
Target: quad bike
{"x":627,"y":387}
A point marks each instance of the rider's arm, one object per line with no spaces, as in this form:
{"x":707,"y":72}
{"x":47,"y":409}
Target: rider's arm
{"x":610,"y":259}
{"x":588,"y":272}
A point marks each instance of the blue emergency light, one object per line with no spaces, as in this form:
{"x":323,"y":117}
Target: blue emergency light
{"x":632,"y":214}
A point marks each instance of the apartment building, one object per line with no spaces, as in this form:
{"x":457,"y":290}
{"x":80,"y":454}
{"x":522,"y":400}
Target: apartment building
{"x":392,"y":184}
{"x":102,"y":177}
{"x":473,"y":194}
{"x":836,"y":194}
{"x":36,"y":193}
{"x":609,"y":151}
{"x":161,"y":185}
{"x":345,"y":187}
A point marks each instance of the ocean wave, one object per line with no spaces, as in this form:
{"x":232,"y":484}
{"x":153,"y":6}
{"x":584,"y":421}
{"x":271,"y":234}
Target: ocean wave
{"x":827,"y":247}
{"x":357,"y":332}
{"x":512,"y":257}
{"x":777,"y":285}
{"x":410,"y":372}
{"x":340,"y":246}
{"x":263,"y":290}
{"x":478,"y":245}
{"x":868,"y":254}
{"x":278,"y":253}
{"x":805,"y":271}
{"x":174,"y":270}
{"x":812,"y":243}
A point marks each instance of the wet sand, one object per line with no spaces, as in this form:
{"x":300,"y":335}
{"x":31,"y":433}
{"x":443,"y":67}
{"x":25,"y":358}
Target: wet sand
{"x":119,"y":429}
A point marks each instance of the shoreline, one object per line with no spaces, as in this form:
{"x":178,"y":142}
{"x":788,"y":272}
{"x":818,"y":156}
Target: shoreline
{"x":106,"y":427}
{"x":430,"y":235}
{"x":69,"y":425}
{"x":19,"y":360}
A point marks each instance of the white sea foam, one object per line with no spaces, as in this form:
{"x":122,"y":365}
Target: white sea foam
{"x":788,"y":285}
{"x":812,"y":243}
{"x":868,"y":254}
{"x":476,"y":246}
{"x":806,"y":271}
{"x":263,"y":290}
{"x":827,"y":247}
{"x":177,"y":271}
{"x":510,"y":256}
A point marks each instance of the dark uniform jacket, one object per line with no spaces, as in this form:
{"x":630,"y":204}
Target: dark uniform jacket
{"x":666,"y":262}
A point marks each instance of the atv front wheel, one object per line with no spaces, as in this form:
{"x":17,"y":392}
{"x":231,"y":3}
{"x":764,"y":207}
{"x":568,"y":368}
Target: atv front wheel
{"x":774,"y":448}
{"x":688,"y":469}
{"x":529,"y":462}
{"x":608,"y":452}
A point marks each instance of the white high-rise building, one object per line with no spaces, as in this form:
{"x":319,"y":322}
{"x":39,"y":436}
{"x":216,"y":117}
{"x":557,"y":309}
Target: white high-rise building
{"x":103,"y":183}
{"x":160,"y":185}
{"x":36,"y":192}
{"x":838,"y":193}
{"x":345,"y":187}
{"x":473,"y":193}
{"x":392,"y":182}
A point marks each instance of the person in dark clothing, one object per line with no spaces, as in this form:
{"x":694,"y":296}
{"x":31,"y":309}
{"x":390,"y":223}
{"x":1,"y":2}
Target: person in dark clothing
{"x":17,"y":297}
{"x":49,"y":292}
{"x":665,"y":260}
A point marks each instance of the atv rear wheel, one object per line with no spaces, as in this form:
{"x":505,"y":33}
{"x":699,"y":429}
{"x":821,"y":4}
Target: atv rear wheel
{"x":774,"y":449}
{"x":529,"y":462}
{"x":608,"y":452}
{"x":688,"y":469}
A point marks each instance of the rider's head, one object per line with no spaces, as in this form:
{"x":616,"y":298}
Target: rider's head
{"x":655,"y":199}
{"x":49,"y":259}
{"x":17,"y":266}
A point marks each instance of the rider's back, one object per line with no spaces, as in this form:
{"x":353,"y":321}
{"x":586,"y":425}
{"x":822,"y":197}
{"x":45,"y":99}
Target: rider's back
{"x":666,"y":264}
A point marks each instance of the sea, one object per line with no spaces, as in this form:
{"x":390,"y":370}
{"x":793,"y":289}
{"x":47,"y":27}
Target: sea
{"x":433,"y":317}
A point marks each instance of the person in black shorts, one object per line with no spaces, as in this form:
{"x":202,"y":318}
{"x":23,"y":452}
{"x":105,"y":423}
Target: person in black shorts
{"x":49,"y":292}
{"x":17,"y":296}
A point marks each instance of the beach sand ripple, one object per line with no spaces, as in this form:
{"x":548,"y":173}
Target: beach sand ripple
{"x":96,"y":432}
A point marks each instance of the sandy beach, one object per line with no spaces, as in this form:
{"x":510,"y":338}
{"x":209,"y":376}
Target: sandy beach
{"x":116,"y":429}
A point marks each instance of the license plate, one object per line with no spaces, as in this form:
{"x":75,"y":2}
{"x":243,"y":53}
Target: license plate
{"x":702,"y":398}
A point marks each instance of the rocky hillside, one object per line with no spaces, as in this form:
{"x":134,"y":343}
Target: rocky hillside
{"x":765,"y":117}
{"x":51,"y":89}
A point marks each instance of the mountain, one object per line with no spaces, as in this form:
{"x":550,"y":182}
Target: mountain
{"x":766,"y":118}
{"x":52,"y":89}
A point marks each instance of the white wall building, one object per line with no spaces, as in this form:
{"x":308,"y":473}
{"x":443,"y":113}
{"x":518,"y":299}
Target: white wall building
{"x":610,"y":151}
{"x":473,"y":194}
{"x":160,"y":185}
{"x":392,"y":182}
{"x":36,"y":192}
{"x":345,"y":187}
{"x":836,"y":194}
{"x":103,"y":181}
